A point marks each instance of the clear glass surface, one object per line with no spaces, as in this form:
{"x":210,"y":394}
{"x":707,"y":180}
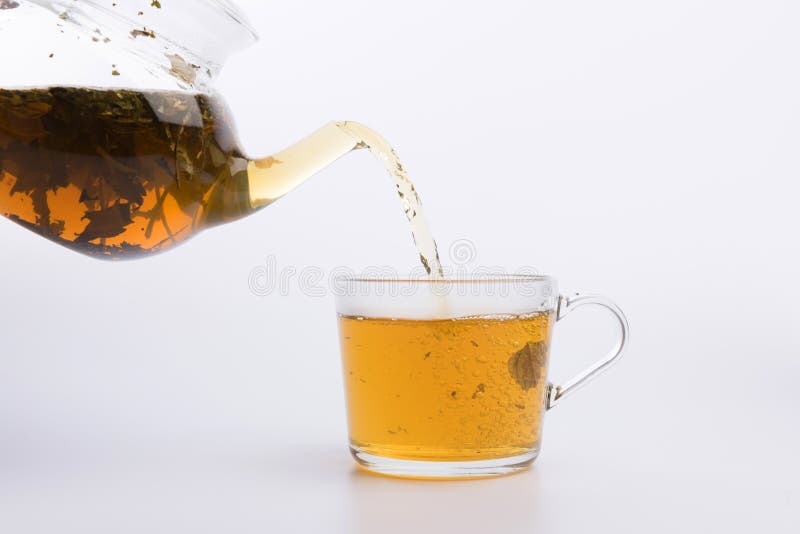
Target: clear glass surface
{"x":176,"y":45}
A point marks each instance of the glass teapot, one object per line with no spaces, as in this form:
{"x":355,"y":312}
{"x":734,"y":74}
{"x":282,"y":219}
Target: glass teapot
{"x":112,"y":141}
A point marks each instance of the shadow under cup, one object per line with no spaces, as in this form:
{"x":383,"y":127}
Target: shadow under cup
{"x":449,"y":378}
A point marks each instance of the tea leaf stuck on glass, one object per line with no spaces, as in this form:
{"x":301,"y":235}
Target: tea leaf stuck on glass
{"x":525,"y":365}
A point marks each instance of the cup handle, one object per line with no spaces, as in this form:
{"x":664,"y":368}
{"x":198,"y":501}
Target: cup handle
{"x":568,"y":304}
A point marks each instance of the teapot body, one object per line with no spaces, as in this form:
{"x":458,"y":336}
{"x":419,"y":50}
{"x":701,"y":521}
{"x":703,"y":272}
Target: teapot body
{"x":112,"y":141}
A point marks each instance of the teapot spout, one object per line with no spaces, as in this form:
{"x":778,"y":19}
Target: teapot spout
{"x":273,"y":177}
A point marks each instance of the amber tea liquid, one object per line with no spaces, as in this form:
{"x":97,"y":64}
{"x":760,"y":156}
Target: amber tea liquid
{"x":465,"y":389}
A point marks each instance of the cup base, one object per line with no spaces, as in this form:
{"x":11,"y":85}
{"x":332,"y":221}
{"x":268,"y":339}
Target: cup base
{"x":443,"y":470}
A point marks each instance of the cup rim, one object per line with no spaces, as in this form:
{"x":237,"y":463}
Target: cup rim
{"x":489,"y":278}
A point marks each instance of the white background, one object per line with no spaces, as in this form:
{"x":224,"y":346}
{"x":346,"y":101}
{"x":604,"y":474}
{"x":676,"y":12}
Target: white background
{"x":645,"y":150}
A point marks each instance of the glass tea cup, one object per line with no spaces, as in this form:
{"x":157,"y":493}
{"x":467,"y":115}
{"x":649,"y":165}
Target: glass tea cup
{"x":448,"y":378}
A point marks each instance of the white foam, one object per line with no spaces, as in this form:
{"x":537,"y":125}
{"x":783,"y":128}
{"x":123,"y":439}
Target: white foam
{"x":451,"y":299}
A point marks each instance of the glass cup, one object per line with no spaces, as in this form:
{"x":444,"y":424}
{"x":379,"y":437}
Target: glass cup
{"x":448,"y":378}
